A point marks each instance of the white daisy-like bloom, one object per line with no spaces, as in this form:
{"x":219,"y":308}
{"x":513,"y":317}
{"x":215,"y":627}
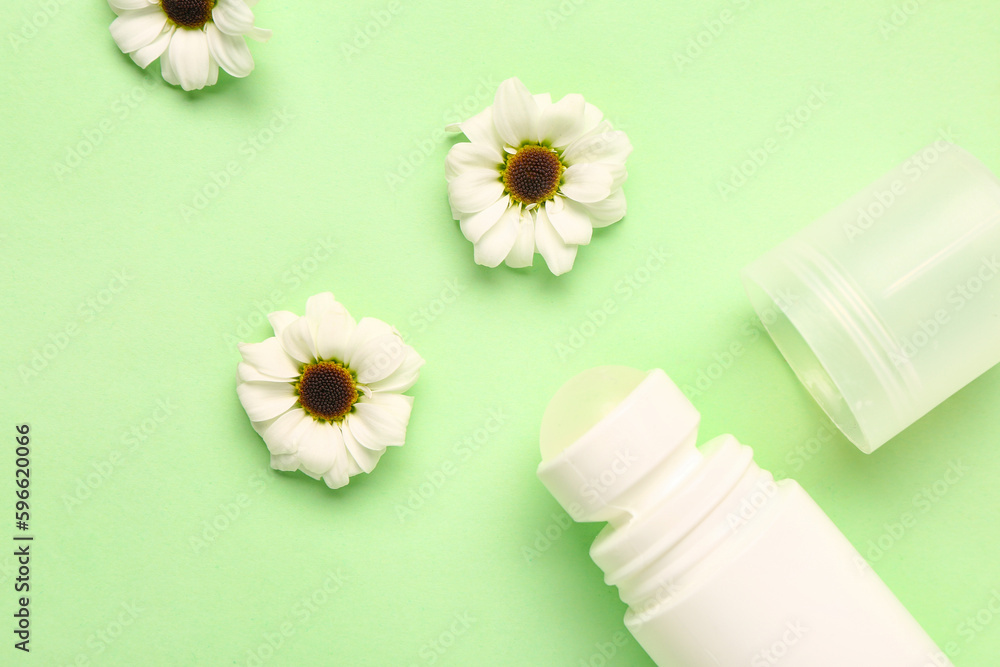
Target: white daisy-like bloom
{"x":536,"y":176}
{"x":325,"y":393}
{"x":192,"y":38}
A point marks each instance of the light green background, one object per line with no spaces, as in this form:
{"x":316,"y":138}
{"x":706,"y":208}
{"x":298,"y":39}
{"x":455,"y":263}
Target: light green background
{"x":117,"y":518}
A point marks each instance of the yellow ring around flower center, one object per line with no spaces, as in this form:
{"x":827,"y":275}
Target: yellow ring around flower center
{"x":533,"y":174}
{"x":188,"y":13}
{"x":327,"y":390}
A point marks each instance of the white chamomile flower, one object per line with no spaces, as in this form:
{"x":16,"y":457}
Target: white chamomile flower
{"x":325,"y":392}
{"x":192,"y":38}
{"x":536,"y":176}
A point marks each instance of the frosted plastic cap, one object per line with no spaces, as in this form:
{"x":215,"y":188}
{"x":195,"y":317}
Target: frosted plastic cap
{"x":597,"y":456}
{"x":890,"y":303}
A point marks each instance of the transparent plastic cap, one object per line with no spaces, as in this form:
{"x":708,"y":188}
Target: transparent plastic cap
{"x":890,"y":303}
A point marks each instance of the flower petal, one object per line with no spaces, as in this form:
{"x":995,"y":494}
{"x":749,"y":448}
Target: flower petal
{"x":366,"y":458}
{"x":612,"y":146}
{"x":376,"y":350}
{"x":147,"y":54}
{"x":618,"y":174}
{"x":280,"y":319}
{"x":368,"y":328}
{"x":283,"y":434}
{"x":266,"y":400}
{"x":493,"y":246}
{"x":572,"y":223}
{"x":340,"y":474}
{"x":604,"y":212}
{"x":558,"y":255}
{"x":333,"y":335}
{"x":134,"y":30}
{"x":515,"y":113}
{"x":332,"y":325}
{"x":233,"y":17}
{"x":213,"y":71}
{"x":381,"y":421}
{"x":542,"y":100}
{"x":474,"y":189}
{"x":247,"y":373}
{"x":523,"y":251}
{"x":592,"y":117}
{"x":260,"y":34}
{"x":586,"y":182}
{"x":474,"y":226}
{"x":169,"y":75}
{"x":231,"y":51}
{"x":403,"y":377}
{"x":320,"y":304}
{"x":481,"y":130}
{"x":297,"y":340}
{"x":378,"y":358}
{"x":320,"y":446}
{"x":189,"y":56}
{"x":562,"y":122}
{"x":465,"y":156}
{"x":286,"y":462}
{"x":269,"y":358}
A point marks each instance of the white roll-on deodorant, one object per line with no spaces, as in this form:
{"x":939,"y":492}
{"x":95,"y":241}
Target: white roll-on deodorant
{"x":720,"y":565}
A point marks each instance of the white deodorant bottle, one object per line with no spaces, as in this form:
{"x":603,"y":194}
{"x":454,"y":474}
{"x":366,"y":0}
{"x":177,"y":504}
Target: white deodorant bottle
{"x":720,"y":565}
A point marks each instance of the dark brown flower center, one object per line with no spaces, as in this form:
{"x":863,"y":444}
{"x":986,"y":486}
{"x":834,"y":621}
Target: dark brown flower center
{"x":327,"y":390}
{"x":532,"y":174}
{"x":188,"y":13}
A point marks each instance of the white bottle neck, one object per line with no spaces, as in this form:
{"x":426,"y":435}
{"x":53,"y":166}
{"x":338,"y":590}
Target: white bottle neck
{"x":696,"y":512}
